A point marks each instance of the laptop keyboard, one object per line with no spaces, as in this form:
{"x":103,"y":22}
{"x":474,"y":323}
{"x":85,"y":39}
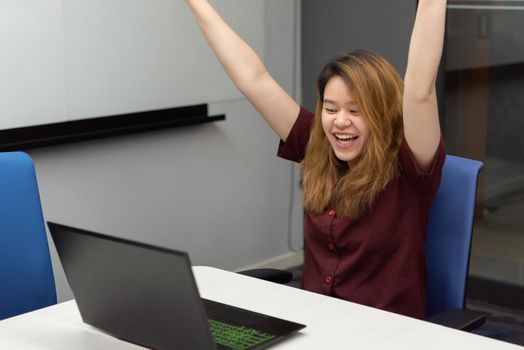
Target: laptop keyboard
{"x":238,"y":338}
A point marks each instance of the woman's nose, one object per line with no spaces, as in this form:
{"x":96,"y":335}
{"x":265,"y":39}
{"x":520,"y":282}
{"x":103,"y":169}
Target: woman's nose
{"x":342,"y":120}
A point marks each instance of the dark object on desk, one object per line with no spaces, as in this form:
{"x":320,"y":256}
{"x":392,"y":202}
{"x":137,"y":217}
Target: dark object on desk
{"x":466,"y":320}
{"x":271,"y":275}
{"x":25,"y":264}
{"x":147,"y":295}
{"x":448,"y":246}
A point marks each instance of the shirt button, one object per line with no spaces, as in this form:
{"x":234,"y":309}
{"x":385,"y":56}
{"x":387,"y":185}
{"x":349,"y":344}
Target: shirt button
{"x":328,"y":279}
{"x":331,"y":246}
{"x":331,"y":212}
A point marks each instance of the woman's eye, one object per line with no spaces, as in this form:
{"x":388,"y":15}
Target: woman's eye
{"x":355,"y":112}
{"x":330,"y":110}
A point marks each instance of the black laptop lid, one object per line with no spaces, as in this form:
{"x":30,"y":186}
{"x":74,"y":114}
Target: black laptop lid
{"x":129,"y":289}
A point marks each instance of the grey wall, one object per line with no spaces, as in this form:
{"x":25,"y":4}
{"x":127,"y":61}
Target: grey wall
{"x":217,"y":190}
{"x":334,"y":27}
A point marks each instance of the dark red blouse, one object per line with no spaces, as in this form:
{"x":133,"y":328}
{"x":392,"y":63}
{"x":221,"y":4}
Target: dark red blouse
{"x":378,"y":260}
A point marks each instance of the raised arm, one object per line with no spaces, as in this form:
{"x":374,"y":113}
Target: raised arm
{"x":246,"y":70}
{"x":421,"y":122}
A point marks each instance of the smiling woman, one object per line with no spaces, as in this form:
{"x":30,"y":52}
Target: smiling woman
{"x":342,"y":123}
{"x":372,"y":157}
{"x":358,"y":121}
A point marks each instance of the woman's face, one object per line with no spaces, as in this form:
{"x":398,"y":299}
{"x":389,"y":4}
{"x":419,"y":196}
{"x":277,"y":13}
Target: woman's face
{"x":342,"y":122}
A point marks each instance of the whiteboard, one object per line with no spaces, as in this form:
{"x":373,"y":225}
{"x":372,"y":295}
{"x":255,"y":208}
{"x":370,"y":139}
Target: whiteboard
{"x":76,"y":59}
{"x":31,"y":63}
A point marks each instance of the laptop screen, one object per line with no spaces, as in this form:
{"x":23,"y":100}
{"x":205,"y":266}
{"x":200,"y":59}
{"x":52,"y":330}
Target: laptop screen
{"x":147,"y":295}
{"x":140,"y":293}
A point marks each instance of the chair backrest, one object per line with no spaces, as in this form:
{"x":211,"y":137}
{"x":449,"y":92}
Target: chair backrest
{"x":26,"y":275}
{"x":449,"y":233}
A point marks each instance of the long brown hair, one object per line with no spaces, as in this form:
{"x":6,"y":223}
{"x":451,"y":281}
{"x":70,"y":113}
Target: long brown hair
{"x":377,"y":89}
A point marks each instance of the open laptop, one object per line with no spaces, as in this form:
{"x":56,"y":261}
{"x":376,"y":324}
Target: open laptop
{"x":147,"y":295}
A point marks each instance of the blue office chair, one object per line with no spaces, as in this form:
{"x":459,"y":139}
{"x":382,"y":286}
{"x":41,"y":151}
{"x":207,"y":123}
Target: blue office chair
{"x":448,"y":244}
{"x":26,"y":275}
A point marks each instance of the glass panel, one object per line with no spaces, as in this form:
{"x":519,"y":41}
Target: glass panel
{"x":484,"y":119}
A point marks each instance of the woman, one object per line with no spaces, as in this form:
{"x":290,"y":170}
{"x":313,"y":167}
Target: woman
{"x":372,"y":155}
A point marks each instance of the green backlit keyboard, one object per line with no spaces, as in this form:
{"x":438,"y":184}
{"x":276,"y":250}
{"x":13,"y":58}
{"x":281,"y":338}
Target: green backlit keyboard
{"x":238,"y":338}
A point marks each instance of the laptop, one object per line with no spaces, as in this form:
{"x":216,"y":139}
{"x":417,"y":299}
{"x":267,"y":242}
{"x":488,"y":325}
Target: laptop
{"x":147,"y":295}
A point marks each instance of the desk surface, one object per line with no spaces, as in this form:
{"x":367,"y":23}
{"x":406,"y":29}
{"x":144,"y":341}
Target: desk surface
{"x":331,"y":323}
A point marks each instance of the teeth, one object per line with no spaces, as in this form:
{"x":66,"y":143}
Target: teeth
{"x":346,"y":137}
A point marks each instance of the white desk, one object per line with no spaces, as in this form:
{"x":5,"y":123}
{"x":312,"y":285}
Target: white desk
{"x":331,"y":323}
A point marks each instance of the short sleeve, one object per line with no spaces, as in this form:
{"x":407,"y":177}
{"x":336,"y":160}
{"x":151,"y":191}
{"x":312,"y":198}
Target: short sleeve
{"x":294,"y":148}
{"x":423,"y":182}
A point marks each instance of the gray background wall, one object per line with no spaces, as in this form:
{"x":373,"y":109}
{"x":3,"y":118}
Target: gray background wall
{"x":217,"y":190}
{"x":333,"y":27}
